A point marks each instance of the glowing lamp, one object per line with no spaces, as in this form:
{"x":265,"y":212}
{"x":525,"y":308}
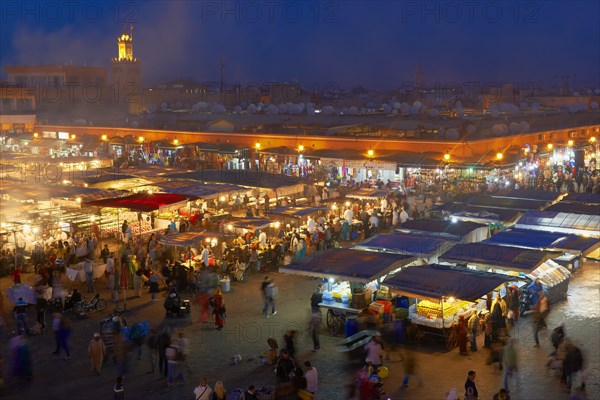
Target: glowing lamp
{"x":141,"y":139}
{"x":550,"y":146}
{"x":104,"y":137}
{"x":301,"y":148}
{"x":570,"y":143}
{"x":499,"y":156}
{"x":175,"y":142}
{"x":446,"y":156}
{"x":257,"y":146}
{"x":370,"y":153}
{"x":593,"y":139}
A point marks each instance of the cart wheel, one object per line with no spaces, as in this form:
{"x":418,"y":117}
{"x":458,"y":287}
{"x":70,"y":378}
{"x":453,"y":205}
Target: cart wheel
{"x":336,"y":325}
{"x":101,"y":305}
{"x":451,"y":338}
{"x":330,"y":318}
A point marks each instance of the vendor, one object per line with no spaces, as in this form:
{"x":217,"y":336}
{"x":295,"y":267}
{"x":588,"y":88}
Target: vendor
{"x":262,"y":239}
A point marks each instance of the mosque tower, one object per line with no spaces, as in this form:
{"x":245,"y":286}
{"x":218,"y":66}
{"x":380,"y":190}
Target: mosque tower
{"x":126,"y":75}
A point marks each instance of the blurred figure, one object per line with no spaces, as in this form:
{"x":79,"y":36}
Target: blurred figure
{"x":119,"y":391}
{"x":313,"y":327}
{"x":21,"y":356}
{"x":572,"y":366}
{"x":410,"y":366}
{"x":509,"y":360}
{"x":461,"y":331}
{"x":558,"y":336}
{"x":20,"y":310}
{"x":541,"y":311}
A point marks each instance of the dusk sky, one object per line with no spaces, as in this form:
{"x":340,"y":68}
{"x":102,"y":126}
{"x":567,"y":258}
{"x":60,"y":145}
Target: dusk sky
{"x":376,"y":44}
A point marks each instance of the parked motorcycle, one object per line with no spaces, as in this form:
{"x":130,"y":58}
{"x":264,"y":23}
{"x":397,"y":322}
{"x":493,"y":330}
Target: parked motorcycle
{"x":82,"y":308}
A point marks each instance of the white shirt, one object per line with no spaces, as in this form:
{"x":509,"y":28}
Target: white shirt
{"x":262,"y":239}
{"x":204,"y":256}
{"x":202,"y":392}
{"x":403,"y":216}
{"x":384,"y":204}
{"x":312,"y":380}
{"x":311,"y":225}
{"x":349,"y":215}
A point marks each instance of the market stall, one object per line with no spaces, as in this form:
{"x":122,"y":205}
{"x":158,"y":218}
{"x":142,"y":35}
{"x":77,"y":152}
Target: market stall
{"x":368,"y":194}
{"x":295,"y":215}
{"x":481,"y":215}
{"x":422,"y":247}
{"x":76,"y":272}
{"x":139,"y":203}
{"x":441,"y":295}
{"x":516,"y":262}
{"x":353,"y":281}
{"x":241,"y":226}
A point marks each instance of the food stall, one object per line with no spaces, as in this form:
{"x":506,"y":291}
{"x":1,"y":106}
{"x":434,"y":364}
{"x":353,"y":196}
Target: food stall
{"x":368,"y":194}
{"x":241,"y":226}
{"x":515,"y":262}
{"x":422,"y":247}
{"x":295,"y":215}
{"x":137,"y":204}
{"x":440,"y":295}
{"x":190,"y":239}
{"x":353,"y":280}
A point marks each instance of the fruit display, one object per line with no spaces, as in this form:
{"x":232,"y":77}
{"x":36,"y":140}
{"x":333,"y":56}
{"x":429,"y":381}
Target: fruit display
{"x":430,"y":309}
{"x":551,"y":273}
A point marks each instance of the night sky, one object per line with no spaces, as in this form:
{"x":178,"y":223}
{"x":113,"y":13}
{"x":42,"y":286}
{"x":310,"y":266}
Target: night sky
{"x":376,"y":44}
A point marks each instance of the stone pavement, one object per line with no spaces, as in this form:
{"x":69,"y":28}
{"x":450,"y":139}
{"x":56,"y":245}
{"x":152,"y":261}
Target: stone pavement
{"x":246,"y":333}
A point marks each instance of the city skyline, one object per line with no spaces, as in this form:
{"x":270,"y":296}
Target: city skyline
{"x":372,"y":44}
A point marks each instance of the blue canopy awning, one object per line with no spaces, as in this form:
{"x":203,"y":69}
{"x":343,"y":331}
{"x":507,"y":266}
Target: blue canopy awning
{"x":495,"y":256}
{"x":347,"y":264}
{"x":544,"y":240}
{"x":590,"y":198}
{"x":560,"y":222}
{"x":438,"y":282}
{"x":575,"y":208}
{"x":403,"y":243}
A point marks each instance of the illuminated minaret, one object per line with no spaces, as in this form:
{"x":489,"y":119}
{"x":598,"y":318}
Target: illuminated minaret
{"x":126,"y":73}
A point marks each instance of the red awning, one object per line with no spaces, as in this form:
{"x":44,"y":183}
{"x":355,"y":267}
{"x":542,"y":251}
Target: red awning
{"x":141,"y":201}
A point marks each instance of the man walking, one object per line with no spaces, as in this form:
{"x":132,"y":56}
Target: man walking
{"x":96,"y":353}
{"x":20,"y":310}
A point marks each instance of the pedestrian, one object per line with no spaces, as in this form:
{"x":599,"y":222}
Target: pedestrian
{"x":541,"y":312}
{"x":290,"y":342}
{"x":21,"y":355}
{"x":410,"y":366}
{"x":312,"y":378}
{"x":314,"y":327}
{"x":317,"y":298}
{"x":462,"y":332}
{"x":558,"y":336}
{"x":203,"y":391}
{"x":487,"y":331}
{"x":20,"y":310}
{"x":88,"y":267}
{"x":96,"y":353}
{"x":509,"y":361}
{"x":137,"y":282}
{"x":285,"y":367}
{"x":56,"y":319}
{"x":270,"y":293}
{"x":152,"y":344}
{"x":472,"y":328}
{"x":164,"y":340}
{"x":118,"y":390}
{"x":41,"y":306}
{"x":497,"y":320}
{"x":219,"y":393}
{"x":219,"y":308}
{"x":174,"y":357}
{"x":153,"y":283}
{"x":374,"y":353}
{"x":110,"y":270}
{"x":121,"y":353}
{"x":250,"y":393}
{"x":64,"y":332}
{"x":470,"y":387}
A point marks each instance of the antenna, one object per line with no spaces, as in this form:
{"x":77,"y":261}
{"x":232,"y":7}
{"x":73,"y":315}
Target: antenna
{"x":131,"y":31}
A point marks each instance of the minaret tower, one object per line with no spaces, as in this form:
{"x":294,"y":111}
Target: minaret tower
{"x":126,"y":73}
